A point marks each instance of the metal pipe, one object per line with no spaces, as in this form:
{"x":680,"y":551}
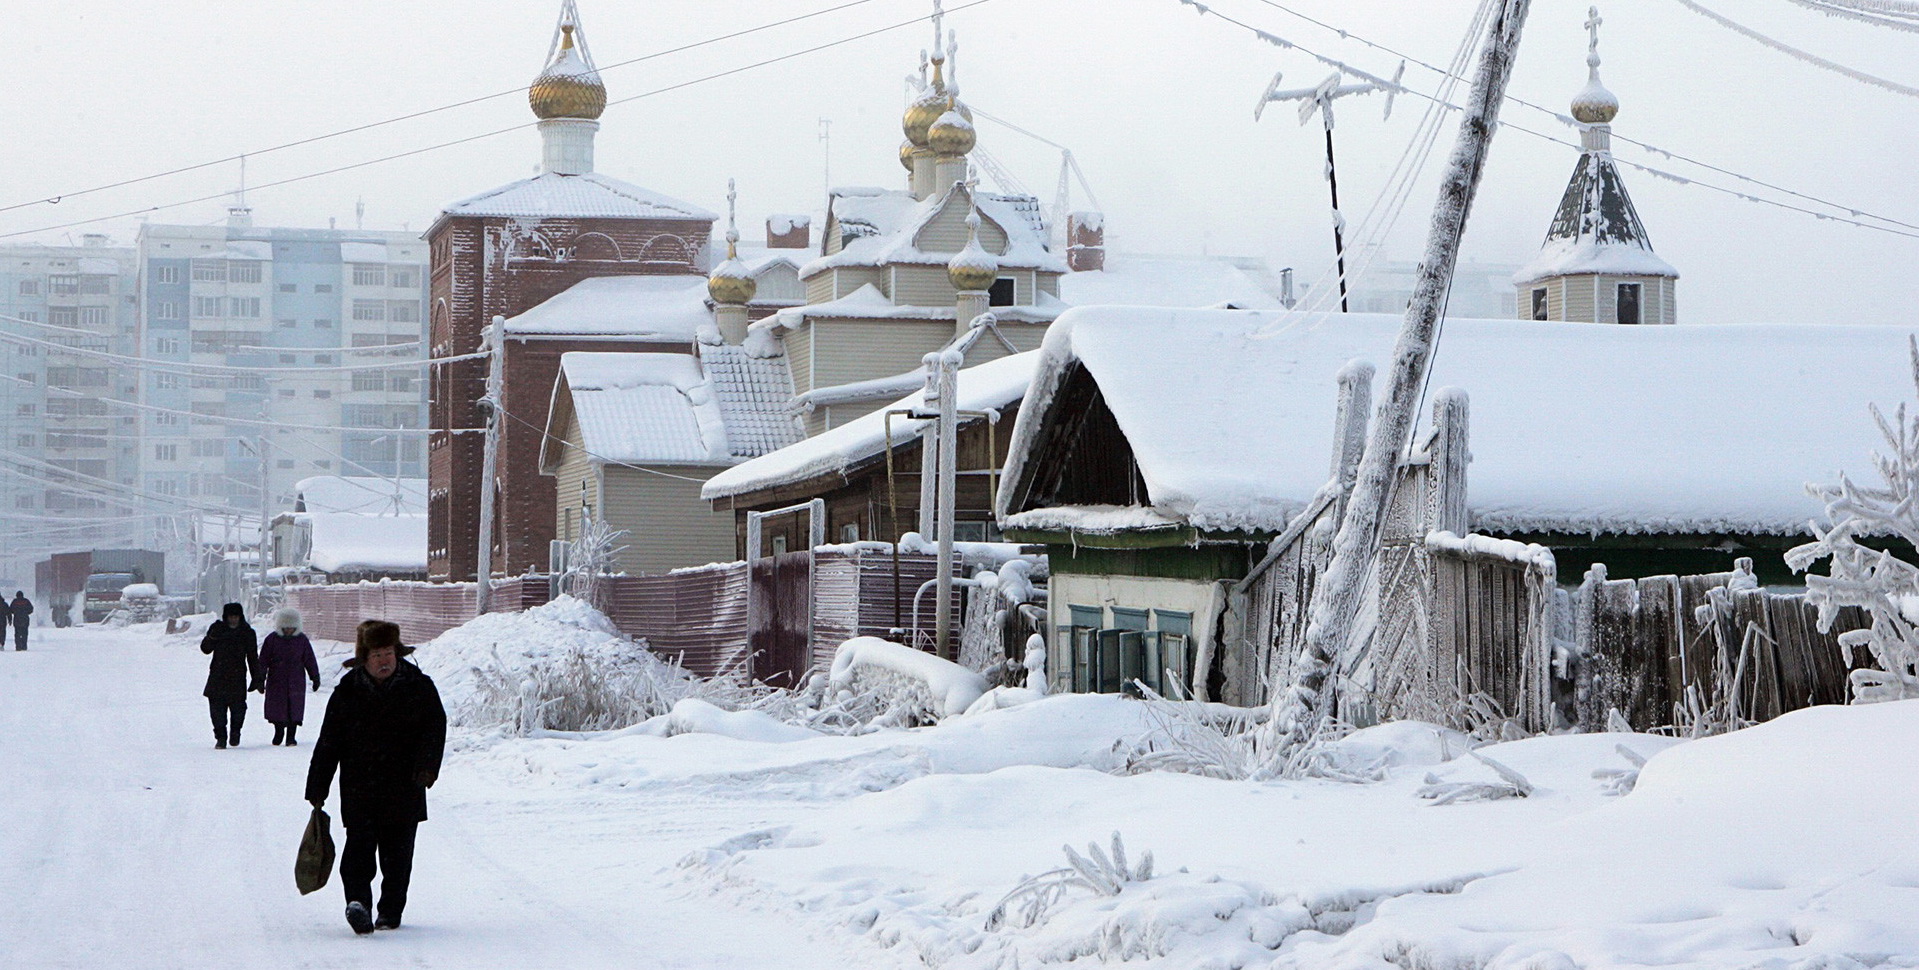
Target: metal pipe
{"x":948,"y":497}
{"x":489,"y":462}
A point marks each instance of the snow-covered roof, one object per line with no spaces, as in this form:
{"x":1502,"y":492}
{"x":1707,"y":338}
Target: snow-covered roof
{"x":642,"y":409}
{"x":868,"y":303}
{"x":1596,"y":229}
{"x":659,"y":308}
{"x":1166,"y":281}
{"x":348,"y":542}
{"x":753,"y":392}
{"x":588,"y":196}
{"x":988,"y":387}
{"x":364,"y":495}
{"x":361,"y":252}
{"x":1574,"y":427}
{"x":881,"y":227}
{"x":248,"y":249}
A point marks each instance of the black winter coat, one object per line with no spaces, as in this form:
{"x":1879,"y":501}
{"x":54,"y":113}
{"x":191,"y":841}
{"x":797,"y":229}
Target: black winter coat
{"x":20,"y":611}
{"x":235,"y":668}
{"x":387,"y":741}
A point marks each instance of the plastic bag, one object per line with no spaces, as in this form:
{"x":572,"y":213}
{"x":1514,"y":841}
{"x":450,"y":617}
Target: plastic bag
{"x":315,"y":862}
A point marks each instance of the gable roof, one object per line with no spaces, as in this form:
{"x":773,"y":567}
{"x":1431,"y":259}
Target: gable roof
{"x":753,"y":392}
{"x":588,"y":196}
{"x":660,"y":308}
{"x":881,"y":227}
{"x":990,"y":386}
{"x":1596,"y":229}
{"x":1584,"y":428}
{"x":640,"y":409}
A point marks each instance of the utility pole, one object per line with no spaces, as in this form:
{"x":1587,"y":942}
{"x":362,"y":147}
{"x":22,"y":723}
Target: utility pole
{"x":1320,"y":100}
{"x":266,"y":500}
{"x":826,"y":154}
{"x":946,"y":365}
{"x":1299,"y":715}
{"x":496,"y":361}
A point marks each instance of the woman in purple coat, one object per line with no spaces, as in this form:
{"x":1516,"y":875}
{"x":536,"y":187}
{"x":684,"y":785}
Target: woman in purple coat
{"x":288,"y":658}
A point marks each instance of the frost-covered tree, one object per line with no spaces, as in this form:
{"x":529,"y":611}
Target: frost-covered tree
{"x":591,"y":556}
{"x":1866,"y":575}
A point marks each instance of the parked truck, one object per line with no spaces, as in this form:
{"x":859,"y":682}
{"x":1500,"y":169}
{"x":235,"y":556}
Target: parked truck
{"x":94,"y":579}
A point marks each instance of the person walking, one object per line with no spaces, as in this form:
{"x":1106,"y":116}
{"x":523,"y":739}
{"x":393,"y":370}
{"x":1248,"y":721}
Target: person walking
{"x":6,"y":619}
{"x":234,"y":670}
{"x":385,"y":732}
{"x":287,"y":658}
{"x":21,"y":612}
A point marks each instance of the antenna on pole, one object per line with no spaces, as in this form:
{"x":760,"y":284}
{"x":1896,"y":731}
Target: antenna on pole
{"x":1319,"y":100}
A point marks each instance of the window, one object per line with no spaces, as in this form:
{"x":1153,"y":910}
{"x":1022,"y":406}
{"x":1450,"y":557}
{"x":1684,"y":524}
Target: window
{"x":369,"y":274}
{"x":1628,"y":306}
{"x":244,"y":306}
{"x":29,"y":287}
{"x":369,"y":310}
{"x":166,"y":382}
{"x":285,"y":322}
{"x":24,"y":501}
{"x":401,"y":382}
{"x":96,"y":285}
{"x":238,"y":272}
{"x":289,"y":287}
{"x":323,"y":324}
{"x":23,"y":441}
{"x":63,"y":316}
{"x":1539,"y":303}
{"x":369,"y":380}
{"x":79,"y":376}
{"x":286,"y":392}
{"x":779,"y":545}
{"x":66,"y":284}
{"x":209,"y":271}
{"x":166,"y":452}
{"x":24,"y":411}
{"x":283,"y":463}
{"x":165,"y":486}
{"x":211,"y":307}
{"x":31,"y":316}
{"x":323,"y":358}
{"x":323,"y":287}
{"x":398,"y":276}
{"x":93,"y":316}
{"x":166,"y":274}
{"x":850,"y":532}
{"x":1002,"y":293}
{"x":287,"y":358}
{"x":166,"y":310}
{"x":166,"y":420}
{"x":166,"y":345}
{"x":322,"y":393}
{"x":26,"y":378}
{"x":208,"y":447}
{"x":403,"y":311}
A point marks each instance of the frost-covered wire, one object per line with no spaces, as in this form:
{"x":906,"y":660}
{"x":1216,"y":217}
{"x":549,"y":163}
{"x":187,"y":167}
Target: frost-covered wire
{"x":1791,"y":51}
{"x":1879,"y":13}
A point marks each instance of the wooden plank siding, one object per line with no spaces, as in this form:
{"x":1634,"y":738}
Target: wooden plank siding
{"x":668,"y":526}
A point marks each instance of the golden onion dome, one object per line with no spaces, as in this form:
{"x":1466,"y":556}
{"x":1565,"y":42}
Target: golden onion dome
{"x":569,"y":87}
{"x":907,"y":151}
{"x":953,"y":133}
{"x":926,"y":108}
{"x":1594,"y":105}
{"x":972,"y":268}
{"x":730,"y":282}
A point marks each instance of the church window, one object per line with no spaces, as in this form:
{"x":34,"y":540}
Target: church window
{"x":1539,"y":303}
{"x":1002,"y":293}
{"x":1628,"y":308}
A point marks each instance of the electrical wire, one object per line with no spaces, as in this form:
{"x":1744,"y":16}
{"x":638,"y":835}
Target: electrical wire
{"x":1879,"y":14}
{"x":544,"y":438}
{"x":521,"y":90}
{"x":489,"y":134}
{"x":1806,"y":56}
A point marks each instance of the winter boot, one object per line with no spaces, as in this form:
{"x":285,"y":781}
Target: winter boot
{"x":233,"y":737}
{"x":358,"y":918}
{"x":387,"y":923}
{"x":291,"y":730}
{"x":219,"y":743}
{"x":279,"y":733}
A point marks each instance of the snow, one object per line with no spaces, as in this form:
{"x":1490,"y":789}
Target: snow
{"x":881,"y":227}
{"x":644,"y":409}
{"x":352,"y":493}
{"x":735,"y":842}
{"x":781,"y":223}
{"x":952,"y":687}
{"x":1565,"y":257}
{"x":653,"y":308}
{"x":590,"y":196}
{"x":1575,"y":427}
{"x":355,"y":542}
{"x":1166,"y":281}
{"x":360,"y":252}
{"x":992,"y":385}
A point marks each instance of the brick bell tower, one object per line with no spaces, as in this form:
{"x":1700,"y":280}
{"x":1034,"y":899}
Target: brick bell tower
{"x":503,"y":252}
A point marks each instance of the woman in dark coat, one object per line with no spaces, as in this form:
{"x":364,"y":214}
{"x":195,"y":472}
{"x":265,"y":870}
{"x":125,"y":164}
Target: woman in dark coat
{"x":234,"y":670}
{"x":287,"y":655}
{"x":385,"y":732}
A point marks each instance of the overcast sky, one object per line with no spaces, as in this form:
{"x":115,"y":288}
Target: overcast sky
{"x":1154,"y":100}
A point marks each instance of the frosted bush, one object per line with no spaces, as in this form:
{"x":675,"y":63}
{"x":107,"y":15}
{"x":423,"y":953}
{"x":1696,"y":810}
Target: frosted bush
{"x":573,"y":692}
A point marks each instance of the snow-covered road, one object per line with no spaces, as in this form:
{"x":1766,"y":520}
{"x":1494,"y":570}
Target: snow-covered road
{"x":127,"y":840}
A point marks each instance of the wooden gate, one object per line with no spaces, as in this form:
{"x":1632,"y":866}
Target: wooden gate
{"x":780,"y":628}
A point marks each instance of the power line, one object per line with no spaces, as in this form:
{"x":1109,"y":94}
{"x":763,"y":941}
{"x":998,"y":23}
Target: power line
{"x":56,"y":199}
{"x":189,"y":368}
{"x":1810,"y":58}
{"x":489,"y":134}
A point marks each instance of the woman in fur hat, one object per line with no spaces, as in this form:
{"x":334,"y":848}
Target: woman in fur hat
{"x":234,"y":670}
{"x":287,"y":655}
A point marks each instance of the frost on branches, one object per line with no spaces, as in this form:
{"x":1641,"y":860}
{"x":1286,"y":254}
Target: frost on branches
{"x":1863,"y":576}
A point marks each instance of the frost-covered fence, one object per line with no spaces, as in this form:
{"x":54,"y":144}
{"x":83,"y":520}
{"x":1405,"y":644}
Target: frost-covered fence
{"x":423,"y":610}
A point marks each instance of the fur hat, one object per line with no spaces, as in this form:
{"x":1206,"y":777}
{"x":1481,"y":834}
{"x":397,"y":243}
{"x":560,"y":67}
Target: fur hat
{"x":233,"y":609}
{"x":286,"y":618}
{"x":373,"y":635}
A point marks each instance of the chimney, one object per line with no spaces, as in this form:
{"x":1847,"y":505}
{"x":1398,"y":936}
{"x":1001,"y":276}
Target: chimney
{"x":789,"y":231}
{"x":1085,"y":241}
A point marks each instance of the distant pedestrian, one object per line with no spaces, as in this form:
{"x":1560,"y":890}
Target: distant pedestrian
{"x":290,"y":667}
{"x":21,"y":612}
{"x":385,"y":731}
{"x":234,"y":670}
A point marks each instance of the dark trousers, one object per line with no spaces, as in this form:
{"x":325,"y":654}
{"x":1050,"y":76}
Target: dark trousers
{"x":19,"y":636}
{"x":227,"y":712}
{"x":393,"y":842}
